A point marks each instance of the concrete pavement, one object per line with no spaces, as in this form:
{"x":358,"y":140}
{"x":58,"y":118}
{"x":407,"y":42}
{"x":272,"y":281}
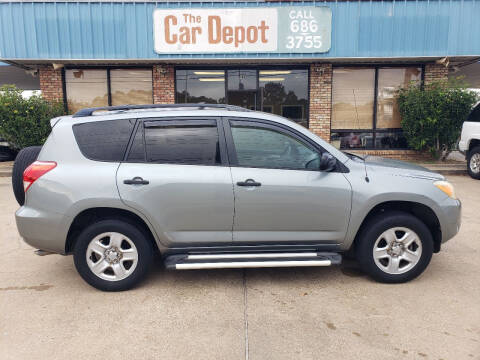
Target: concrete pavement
{"x":48,"y":312}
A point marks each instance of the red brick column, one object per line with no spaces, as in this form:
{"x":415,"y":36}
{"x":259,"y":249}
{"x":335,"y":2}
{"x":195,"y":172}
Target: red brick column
{"x":320,"y":109}
{"x":435,"y":72}
{"x":51,"y":83}
{"x":163,"y":84}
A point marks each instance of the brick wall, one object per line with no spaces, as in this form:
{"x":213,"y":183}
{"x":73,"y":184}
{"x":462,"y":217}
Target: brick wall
{"x":434,"y":72}
{"x":163,"y":84}
{"x":320,"y":99}
{"x":51,"y":83}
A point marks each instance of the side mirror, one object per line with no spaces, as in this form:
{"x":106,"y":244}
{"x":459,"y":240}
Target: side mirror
{"x":327,"y":162}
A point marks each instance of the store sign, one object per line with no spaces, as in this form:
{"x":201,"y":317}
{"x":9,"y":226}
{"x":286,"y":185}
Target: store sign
{"x":282,"y":30}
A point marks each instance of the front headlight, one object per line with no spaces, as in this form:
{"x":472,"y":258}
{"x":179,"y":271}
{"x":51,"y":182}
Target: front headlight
{"x":446,"y":187}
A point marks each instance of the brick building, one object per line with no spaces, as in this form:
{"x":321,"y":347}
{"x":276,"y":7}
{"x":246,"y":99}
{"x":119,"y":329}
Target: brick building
{"x":330,"y":66}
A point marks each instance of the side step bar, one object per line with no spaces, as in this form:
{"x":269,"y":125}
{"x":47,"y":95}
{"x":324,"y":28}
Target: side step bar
{"x":251,"y":260}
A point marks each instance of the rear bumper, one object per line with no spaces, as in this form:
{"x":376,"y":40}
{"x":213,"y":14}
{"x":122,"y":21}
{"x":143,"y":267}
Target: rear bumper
{"x":452,"y":218}
{"x":42,"y":230}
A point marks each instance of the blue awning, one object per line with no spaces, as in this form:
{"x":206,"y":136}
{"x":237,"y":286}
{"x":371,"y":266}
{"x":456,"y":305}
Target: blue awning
{"x":120,"y":31}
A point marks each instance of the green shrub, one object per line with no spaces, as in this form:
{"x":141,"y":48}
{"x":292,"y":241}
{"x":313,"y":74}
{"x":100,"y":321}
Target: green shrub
{"x":432,"y":115}
{"x":25,"y":122}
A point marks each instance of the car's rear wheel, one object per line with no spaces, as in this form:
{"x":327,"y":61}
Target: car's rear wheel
{"x":394,"y":247}
{"x":112,"y":255}
{"x":473,"y":162}
{"x":25,"y":157}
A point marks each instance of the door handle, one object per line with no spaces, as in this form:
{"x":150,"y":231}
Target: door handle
{"x":137,"y":180}
{"x":249,"y":182}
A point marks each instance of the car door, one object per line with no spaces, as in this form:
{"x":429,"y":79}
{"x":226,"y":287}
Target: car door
{"x":176,"y":174}
{"x":280,"y":193}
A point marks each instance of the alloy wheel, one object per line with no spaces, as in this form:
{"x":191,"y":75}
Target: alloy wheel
{"x":397,"y":250}
{"x":475,"y":163}
{"x":112,"y":256}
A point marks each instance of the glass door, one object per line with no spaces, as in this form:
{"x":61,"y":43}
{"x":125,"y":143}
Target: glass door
{"x":243,"y":88}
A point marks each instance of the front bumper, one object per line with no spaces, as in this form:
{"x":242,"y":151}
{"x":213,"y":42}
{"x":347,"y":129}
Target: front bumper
{"x":451,"y":218}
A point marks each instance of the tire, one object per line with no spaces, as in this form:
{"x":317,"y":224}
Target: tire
{"x":24,"y":158}
{"x":102,"y":242}
{"x":473,"y":162}
{"x":395,"y":264}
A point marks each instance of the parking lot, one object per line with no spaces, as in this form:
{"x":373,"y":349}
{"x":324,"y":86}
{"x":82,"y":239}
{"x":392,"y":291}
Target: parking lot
{"x":48,"y":312}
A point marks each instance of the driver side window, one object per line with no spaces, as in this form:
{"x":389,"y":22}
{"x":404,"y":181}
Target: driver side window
{"x":261,"y":147}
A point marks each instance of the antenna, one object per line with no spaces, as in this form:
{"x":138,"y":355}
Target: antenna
{"x":365,"y":167}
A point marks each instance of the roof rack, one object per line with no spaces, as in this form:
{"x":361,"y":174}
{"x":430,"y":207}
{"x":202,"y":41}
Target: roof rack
{"x":89,"y":111}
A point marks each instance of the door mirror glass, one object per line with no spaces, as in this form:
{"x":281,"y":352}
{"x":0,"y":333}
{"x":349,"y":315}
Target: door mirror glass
{"x":327,"y":162}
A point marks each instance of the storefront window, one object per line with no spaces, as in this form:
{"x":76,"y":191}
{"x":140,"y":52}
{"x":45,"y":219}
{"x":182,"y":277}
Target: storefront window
{"x":353,"y":93}
{"x":86,"y":88}
{"x":131,"y":86}
{"x":285,"y":93}
{"x":279,"y":91}
{"x":355,"y":124}
{"x":89,"y":87}
{"x":196,"y":86}
{"x":389,"y":81}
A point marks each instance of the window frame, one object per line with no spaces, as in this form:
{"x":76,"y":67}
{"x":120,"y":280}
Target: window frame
{"x":374,"y":130}
{"x":107,"y":69}
{"x":270,"y":125}
{"x":144,"y":123}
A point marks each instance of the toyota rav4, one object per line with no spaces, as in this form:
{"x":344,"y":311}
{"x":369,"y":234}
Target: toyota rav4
{"x":217,"y":186}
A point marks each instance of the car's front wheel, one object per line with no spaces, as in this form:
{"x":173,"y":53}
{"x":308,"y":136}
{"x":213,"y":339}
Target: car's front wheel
{"x":394,"y":247}
{"x":112,"y":255}
{"x":473,"y":160}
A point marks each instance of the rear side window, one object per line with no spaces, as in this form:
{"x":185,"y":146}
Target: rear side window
{"x":475,"y":114}
{"x":104,"y":140}
{"x":189,"y":142}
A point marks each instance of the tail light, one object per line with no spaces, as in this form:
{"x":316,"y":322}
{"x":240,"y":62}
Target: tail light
{"x":35,"y":170}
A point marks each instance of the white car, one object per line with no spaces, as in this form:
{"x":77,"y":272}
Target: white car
{"x":470,"y":142}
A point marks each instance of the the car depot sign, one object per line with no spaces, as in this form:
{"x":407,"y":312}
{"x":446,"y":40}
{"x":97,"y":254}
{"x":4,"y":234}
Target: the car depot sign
{"x":283,"y":30}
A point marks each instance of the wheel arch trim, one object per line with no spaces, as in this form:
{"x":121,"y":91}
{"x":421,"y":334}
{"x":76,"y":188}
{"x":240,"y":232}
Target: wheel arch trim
{"x":423,"y":212}
{"x":105,"y":212}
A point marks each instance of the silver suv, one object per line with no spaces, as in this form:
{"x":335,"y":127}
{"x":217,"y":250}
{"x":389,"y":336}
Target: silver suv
{"x":217,"y":186}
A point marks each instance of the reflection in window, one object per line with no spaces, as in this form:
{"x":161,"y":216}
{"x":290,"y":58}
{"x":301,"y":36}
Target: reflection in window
{"x":366,"y":140}
{"x":352,"y":98}
{"x":194,"y":145}
{"x":390,"y":140}
{"x":389,"y":80}
{"x":352,"y":140}
{"x":242,"y":79}
{"x":86,"y":88}
{"x":196,"y":86}
{"x":285,"y":93}
{"x":131,"y":86}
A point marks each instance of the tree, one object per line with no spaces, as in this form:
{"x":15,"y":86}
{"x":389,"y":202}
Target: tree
{"x":433,"y":114}
{"x":25,"y":122}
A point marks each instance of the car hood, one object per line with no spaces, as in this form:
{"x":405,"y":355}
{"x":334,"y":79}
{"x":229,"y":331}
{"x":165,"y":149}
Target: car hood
{"x":401,"y":168}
